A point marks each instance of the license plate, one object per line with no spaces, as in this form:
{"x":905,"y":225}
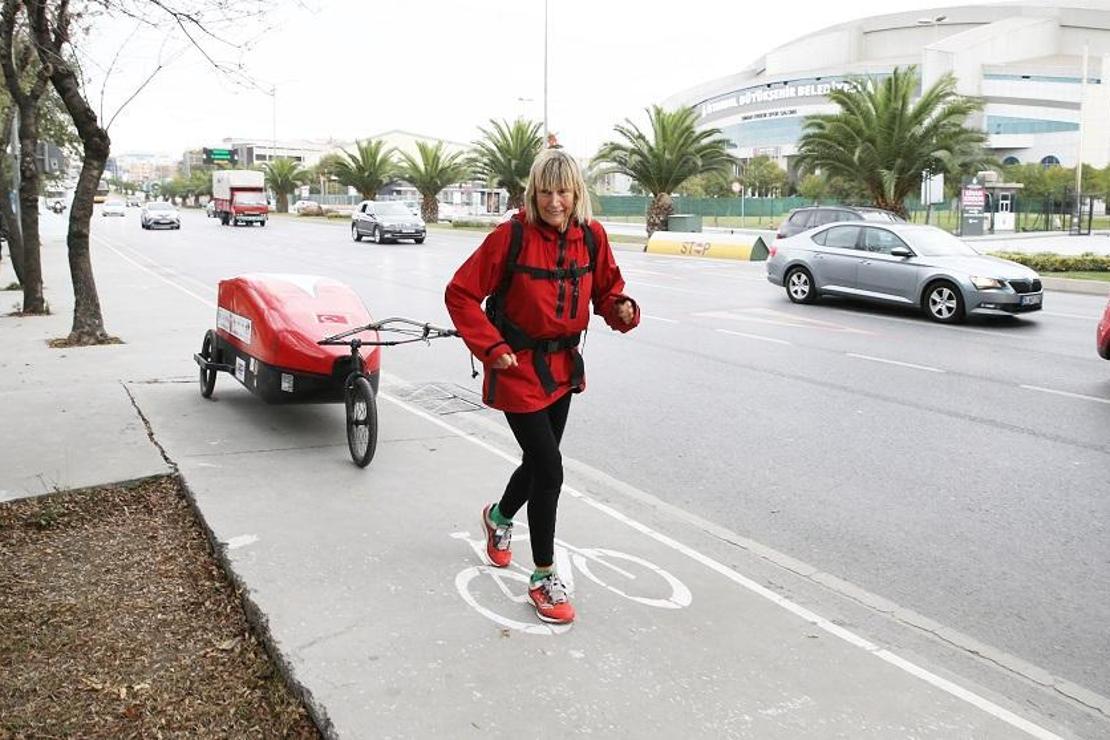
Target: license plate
{"x":1031,"y":300}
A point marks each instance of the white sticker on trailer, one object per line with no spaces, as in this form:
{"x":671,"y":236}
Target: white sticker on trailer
{"x":240,"y":369}
{"x":287,"y":382}
{"x":234,"y":324}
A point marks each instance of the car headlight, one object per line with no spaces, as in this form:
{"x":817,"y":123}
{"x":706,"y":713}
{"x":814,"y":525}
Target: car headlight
{"x":986,"y":283}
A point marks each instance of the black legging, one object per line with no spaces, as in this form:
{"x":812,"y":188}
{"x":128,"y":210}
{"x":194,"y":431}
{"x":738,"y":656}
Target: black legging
{"x":540,"y":476}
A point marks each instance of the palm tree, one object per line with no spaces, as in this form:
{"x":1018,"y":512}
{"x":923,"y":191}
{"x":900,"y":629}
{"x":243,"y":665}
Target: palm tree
{"x":883,"y":140}
{"x":367,"y":170}
{"x":505,"y":155}
{"x":675,"y":152}
{"x":283,"y":176}
{"x":434,"y":171}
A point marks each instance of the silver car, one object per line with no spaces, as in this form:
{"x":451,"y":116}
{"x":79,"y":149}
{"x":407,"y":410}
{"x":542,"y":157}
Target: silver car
{"x":904,"y":264}
{"x":159,"y":215}
{"x":386,"y":220}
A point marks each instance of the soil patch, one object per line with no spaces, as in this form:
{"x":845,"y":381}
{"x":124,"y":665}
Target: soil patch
{"x":118,"y":622}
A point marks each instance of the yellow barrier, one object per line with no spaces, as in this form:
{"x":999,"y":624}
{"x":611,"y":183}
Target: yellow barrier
{"x":735,"y":246}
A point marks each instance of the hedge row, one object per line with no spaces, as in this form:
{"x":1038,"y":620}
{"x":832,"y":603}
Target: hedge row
{"x":1050,"y":262}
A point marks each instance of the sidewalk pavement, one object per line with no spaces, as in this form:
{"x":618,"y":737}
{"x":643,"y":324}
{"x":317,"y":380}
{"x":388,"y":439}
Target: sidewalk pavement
{"x":369,"y":587}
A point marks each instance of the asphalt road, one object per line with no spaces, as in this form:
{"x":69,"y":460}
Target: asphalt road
{"x":959,"y":472}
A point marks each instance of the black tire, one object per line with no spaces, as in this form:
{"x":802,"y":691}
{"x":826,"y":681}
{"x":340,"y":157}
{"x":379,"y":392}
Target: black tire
{"x":354,"y":233}
{"x":943,"y":303}
{"x":419,"y":241}
{"x":207,"y":375}
{"x":262,"y":223}
{"x":362,"y":420}
{"x":799,"y":285}
{"x":376,"y":236}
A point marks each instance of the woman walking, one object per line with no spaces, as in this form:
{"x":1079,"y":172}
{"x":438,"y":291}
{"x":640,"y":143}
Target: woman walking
{"x":538,"y":274}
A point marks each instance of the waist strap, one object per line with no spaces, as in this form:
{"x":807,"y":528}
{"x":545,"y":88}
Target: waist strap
{"x":541,"y":348}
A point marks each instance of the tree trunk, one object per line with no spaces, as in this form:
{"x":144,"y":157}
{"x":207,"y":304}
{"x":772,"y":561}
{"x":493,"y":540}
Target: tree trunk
{"x":88,"y":322}
{"x":429,"y":208}
{"x":283,"y":203}
{"x":661,"y":207}
{"x":516,"y":199}
{"x":33,"y":300}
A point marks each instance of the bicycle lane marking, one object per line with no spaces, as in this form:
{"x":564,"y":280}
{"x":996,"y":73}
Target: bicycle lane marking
{"x":567,"y":558}
{"x":813,"y":618}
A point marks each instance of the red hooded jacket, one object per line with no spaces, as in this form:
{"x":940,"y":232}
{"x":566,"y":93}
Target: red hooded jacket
{"x":534,"y":305}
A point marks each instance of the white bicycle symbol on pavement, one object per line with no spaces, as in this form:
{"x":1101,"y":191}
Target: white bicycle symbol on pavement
{"x":630,"y":575}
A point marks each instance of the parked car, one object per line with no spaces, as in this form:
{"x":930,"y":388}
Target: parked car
{"x":134,"y":202}
{"x":386,"y":220}
{"x":113,"y":208}
{"x":160,"y":215}
{"x":810,"y":217}
{"x":1102,"y":336}
{"x":307,"y":208}
{"x":902,"y":263}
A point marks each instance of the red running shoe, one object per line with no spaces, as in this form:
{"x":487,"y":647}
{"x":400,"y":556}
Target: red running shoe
{"x":498,"y":537}
{"x":549,"y":596}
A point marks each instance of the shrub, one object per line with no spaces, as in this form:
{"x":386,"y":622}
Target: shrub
{"x":1051,"y":262}
{"x":472,"y":223}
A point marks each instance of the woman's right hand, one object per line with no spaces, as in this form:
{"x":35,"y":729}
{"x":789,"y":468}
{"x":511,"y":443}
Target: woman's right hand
{"x":503,"y":361}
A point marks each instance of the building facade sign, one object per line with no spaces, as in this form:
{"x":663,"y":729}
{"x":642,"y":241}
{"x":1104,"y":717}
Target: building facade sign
{"x":764,"y":94}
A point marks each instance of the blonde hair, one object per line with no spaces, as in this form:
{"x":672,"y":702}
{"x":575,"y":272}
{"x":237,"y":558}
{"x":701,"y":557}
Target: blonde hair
{"x":554,"y":169}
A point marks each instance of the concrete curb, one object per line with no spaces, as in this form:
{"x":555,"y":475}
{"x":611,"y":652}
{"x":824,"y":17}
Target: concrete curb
{"x":1071,"y":285}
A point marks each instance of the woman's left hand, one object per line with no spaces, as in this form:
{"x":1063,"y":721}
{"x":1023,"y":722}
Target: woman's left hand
{"x":626,"y":311}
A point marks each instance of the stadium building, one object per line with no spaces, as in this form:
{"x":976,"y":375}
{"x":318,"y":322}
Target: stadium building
{"x":1025,"y":61}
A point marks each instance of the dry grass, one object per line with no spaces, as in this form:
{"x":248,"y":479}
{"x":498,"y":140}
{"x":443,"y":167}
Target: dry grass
{"x":118,"y":622}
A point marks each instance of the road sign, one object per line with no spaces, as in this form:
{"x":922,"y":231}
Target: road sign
{"x":220,"y":156}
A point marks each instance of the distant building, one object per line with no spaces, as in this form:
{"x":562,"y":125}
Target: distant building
{"x":1024,"y":60}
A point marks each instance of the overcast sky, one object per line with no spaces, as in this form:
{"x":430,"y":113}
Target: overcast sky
{"x":352,"y":68}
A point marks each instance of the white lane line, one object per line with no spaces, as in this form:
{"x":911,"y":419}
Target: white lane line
{"x":1092,"y":319}
{"x":895,"y":362}
{"x":1065,"y":393}
{"x":659,"y":318}
{"x":206,"y":301}
{"x":813,"y":618}
{"x":754,"y":336}
{"x":638,"y":283}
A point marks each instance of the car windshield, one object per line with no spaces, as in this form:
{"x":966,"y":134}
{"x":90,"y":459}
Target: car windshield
{"x":159,"y":207}
{"x":114,"y":203}
{"x":250,"y":198}
{"x":937,"y":243}
{"x":391,"y":209}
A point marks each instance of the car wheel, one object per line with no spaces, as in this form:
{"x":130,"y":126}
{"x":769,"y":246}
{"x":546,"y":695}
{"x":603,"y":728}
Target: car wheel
{"x":419,"y":240}
{"x":354,"y":233}
{"x":376,"y":235}
{"x":262,"y":223}
{"x":943,"y":303}
{"x":799,"y":286}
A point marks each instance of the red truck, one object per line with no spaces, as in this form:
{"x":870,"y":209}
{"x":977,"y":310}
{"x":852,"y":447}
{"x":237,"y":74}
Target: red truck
{"x":240,"y":197}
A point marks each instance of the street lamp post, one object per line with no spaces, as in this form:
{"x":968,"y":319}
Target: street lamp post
{"x":273,"y":124}
{"x":545,"y":130}
{"x":1079,"y":158}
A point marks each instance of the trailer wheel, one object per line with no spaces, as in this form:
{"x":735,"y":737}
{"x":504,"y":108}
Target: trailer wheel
{"x":208,"y":375}
{"x":362,"y":420}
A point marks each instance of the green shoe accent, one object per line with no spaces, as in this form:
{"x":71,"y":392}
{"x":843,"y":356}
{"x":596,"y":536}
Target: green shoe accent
{"x":540,"y":573}
{"x":498,"y":518}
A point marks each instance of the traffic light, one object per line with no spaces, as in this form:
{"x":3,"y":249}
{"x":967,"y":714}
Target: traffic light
{"x":221,"y":156}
